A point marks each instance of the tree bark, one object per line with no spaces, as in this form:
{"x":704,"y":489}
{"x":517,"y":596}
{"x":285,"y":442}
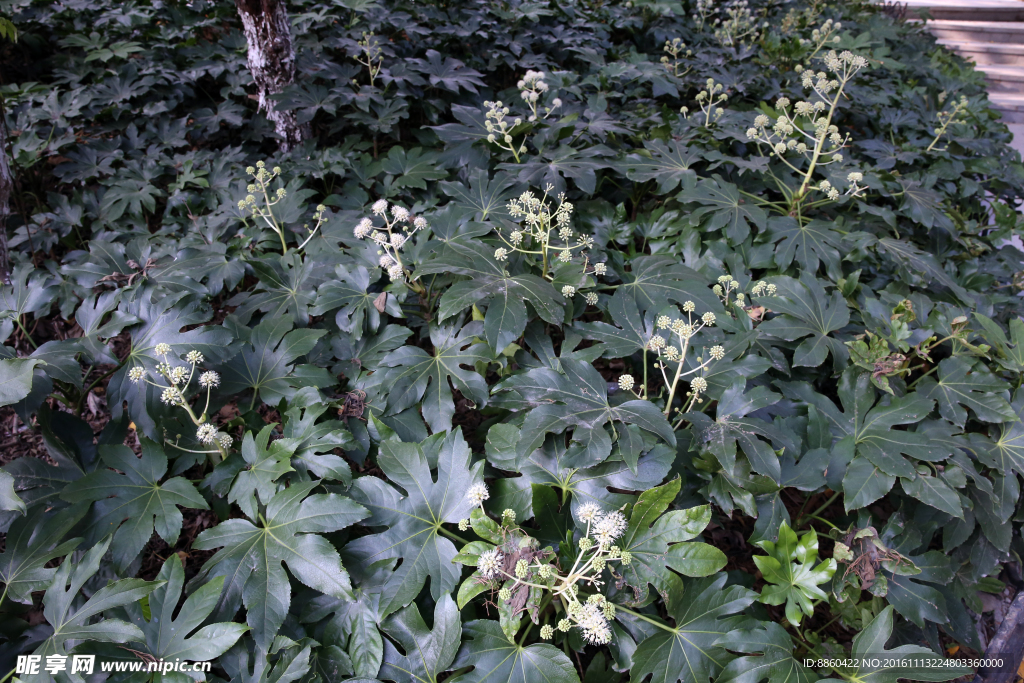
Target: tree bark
{"x":6,"y":186}
{"x":272,"y":62}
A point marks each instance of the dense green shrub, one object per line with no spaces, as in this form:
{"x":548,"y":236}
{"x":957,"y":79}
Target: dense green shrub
{"x":581,"y":337}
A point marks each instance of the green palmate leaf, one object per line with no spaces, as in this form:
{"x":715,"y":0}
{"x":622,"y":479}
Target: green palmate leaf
{"x":632,"y":333}
{"x":961,"y":385}
{"x":759,"y":440}
{"x":879,"y":665}
{"x":9,"y":500}
{"x":428,"y":652}
{"x":311,"y":443}
{"x":250,"y":557}
{"x":162,"y":320}
{"x":554,"y":167}
{"x":875,"y":451}
{"x":414,"y":520}
{"x":550,"y":466}
{"x":285,"y":290}
{"x":655,"y":280}
{"x":1007,"y":452}
{"x":809,"y":244}
{"x":774,"y":663}
{"x":16,"y":379}
{"x":917,"y":601}
{"x":33,"y":541}
{"x":924,"y":206}
{"x":484,"y":198}
{"x":806,"y":313}
{"x":169,"y":638}
{"x":687,"y":653}
{"x":506,"y":315}
{"x":667,"y":163}
{"x":71,"y":624}
{"x":1010,"y":351}
{"x":578,"y":399}
{"x":348,"y":294}
{"x":265,"y":462}
{"x":791,"y":574}
{"x":918,"y":265}
{"x":267,"y":366}
{"x":658,"y":543}
{"x":496,"y":660}
{"x":728,"y":211}
{"x":412,"y":168}
{"x":416,"y":375}
{"x":352,"y":626}
{"x":130,"y":502}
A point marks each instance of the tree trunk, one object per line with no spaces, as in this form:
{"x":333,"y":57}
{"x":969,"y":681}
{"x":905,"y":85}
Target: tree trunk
{"x":272,"y":62}
{"x":6,"y":186}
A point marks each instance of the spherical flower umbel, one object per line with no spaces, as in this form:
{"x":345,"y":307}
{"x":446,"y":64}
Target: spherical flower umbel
{"x":209,"y":379}
{"x":600,"y":269}
{"x":608,"y":527}
{"x":656,"y":342}
{"x":380,"y":207}
{"x":178,"y":374}
{"x":136,"y":374}
{"x":717,"y":352}
{"x":224,"y":440}
{"x":698,"y":384}
{"x":194,"y":357}
{"x":400,"y":213}
{"x":477,"y":494}
{"x":169,"y":396}
{"x":206,"y":433}
{"x":568,"y":291}
{"x":363,"y":228}
{"x":162,"y":349}
{"x":489,"y":563}
{"x":590,"y":298}
{"x":547,"y":631}
{"x":626,"y":382}
{"x":689,"y":307}
{"x":708,"y":318}
{"x":588,"y":512}
{"x":501,"y":253}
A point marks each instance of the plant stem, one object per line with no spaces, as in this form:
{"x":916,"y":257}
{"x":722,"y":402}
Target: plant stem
{"x":642,"y":617}
{"x":25,"y":332}
{"x":814,"y":515}
{"x":450,"y":535}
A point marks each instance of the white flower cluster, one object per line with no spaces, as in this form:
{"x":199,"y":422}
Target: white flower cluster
{"x":684,"y":329}
{"x":704,"y":9}
{"x":546,"y":230}
{"x":820,"y":37}
{"x":806,"y":127}
{"x":710,"y":101}
{"x":740,"y":27}
{"x":948,"y":118}
{"x":262,"y":209}
{"x":499,"y":132}
{"x":399,"y":226}
{"x":178,"y":378}
{"x":676,"y":51}
{"x":532,"y":88}
{"x":517,"y":564}
{"x":370,"y":55}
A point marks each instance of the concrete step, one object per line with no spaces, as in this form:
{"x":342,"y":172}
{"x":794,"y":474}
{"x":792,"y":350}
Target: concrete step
{"x":1009,"y":105}
{"x":977,"y":31}
{"x":987,"y":53}
{"x":968,"y":10}
{"x":1003,"y":79}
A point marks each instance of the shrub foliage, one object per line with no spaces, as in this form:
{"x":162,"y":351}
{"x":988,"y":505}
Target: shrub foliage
{"x":655,"y":341}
